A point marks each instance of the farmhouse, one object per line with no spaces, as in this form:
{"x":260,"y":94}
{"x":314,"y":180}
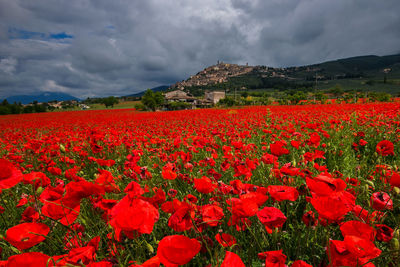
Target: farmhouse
{"x":214,"y":96}
{"x":178,"y":95}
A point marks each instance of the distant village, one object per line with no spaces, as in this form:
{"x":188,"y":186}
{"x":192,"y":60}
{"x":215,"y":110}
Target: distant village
{"x":220,"y":73}
{"x":214,"y":74}
{"x":210,"y":98}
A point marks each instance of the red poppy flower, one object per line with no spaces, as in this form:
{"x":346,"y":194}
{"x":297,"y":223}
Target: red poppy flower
{"x":394,"y":179}
{"x":169,"y":172}
{"x":300,"y":263}
{"x":107,"y":181}
{"x":134,"y":215}
{"x":256,"y":197}
{"x":29,"y":259}
{"x":54,"y":170}
{"x":225,"y":240}
{"x":37,"y":179}
{"x":232,"y":260}
{"x":384,"y":233}
{"x":204,"y":185}
{"x":281,"y":192}
{"x":152,"y":262}
{"x":309,"y":218}
{"x":212,"y":214}
{"x":181,"y":219}
{"x":339,"y":255}
{"x":295,"y":144}
{"x":29,"y":215}
{"x":361,"y":248}
{"x":314,"y":139}
{"x":271,"y":218}
{"x":362,"y":142}
{"x":381,"y":201}
{"x":353,"y":251}
{"x":359,"y":229}
{"x":290,"y":170}
{"x":277,"y":149}
{"x":269,"y":158}
{"x":9,"y":175}
{"x":59,"y":211}
{"x":86,"y":254}
{"x":133,"y":189}
{"x":324,"y":185}
{"x":273,"y":258}
{"x":385,"y":148}
{"x":26,"y":235}
{"x":76,"y":191}
{"x":242,"y":208}
{"x":177,"y":250}
{"x":335,"y":206}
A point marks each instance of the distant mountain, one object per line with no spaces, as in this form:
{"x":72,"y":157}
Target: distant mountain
{"x":368,"y":73}
{"x":43,"y":97}
{"x":155,"y":89}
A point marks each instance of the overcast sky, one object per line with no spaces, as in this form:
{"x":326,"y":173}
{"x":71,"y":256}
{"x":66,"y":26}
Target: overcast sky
{"x":117,"y":47}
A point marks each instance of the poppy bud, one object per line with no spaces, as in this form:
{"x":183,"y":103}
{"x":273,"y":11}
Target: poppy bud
{"x":365,"y":188}
{"x":396,"y":190}
{"x":150,"y":248}
{"x":370,"y":183}
{"x":394,"y":244}
{"x":39,"y":190}
{"x":62,"y":148}
{"x":396,"y":234}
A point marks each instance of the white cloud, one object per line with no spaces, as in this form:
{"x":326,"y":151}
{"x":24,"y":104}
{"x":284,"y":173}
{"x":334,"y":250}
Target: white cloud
{"x":8,"y":65}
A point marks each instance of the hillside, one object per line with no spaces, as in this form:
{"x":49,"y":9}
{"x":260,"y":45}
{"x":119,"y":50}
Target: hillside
{"x":42,"y":97}
{"x":364,"y":73}
{"x":155,"y":89}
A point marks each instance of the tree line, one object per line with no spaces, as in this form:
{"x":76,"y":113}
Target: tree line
{"x":17,"y":108}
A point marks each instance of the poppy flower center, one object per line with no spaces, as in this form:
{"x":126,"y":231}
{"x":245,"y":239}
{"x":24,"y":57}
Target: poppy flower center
{"x":331,"y":186}
{"x":380,"y":197}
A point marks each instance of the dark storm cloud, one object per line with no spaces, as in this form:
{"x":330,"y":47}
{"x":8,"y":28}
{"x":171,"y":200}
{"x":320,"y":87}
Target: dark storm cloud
{"x":102,"y":47}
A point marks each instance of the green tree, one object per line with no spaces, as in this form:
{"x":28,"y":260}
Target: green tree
{"x":110,"y":101}
{"x":152,"y":100}
{"x":227,"y":101}
{"x":337,"y":90}
{"x":4,"y":110}
{"x":320,"y":96}
{"x":296,"y":97}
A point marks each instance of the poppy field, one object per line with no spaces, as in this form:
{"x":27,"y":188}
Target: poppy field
{"x":311,"y":185}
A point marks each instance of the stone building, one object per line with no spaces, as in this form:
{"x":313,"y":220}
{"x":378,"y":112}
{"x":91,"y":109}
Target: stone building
{"x":178,"y":95}
{"x":214,"y":96}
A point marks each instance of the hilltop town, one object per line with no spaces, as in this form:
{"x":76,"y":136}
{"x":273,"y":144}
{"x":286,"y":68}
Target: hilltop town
{"x":221,"y":72}
{"x":218,"y":73}
{"x":363,"y":73}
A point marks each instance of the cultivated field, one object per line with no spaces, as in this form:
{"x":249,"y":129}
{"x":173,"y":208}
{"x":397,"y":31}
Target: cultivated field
{"x":312,"y":185}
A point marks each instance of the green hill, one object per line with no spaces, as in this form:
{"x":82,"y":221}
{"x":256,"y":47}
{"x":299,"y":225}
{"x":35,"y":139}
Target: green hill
{"x":363,"y":73}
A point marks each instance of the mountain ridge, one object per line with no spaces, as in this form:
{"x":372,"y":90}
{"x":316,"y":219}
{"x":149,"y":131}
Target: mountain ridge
{"x":42,"y":97}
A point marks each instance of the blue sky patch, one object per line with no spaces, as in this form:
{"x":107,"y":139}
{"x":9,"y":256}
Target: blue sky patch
{"x":61,"y":35}
{"x":15,"y":33}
